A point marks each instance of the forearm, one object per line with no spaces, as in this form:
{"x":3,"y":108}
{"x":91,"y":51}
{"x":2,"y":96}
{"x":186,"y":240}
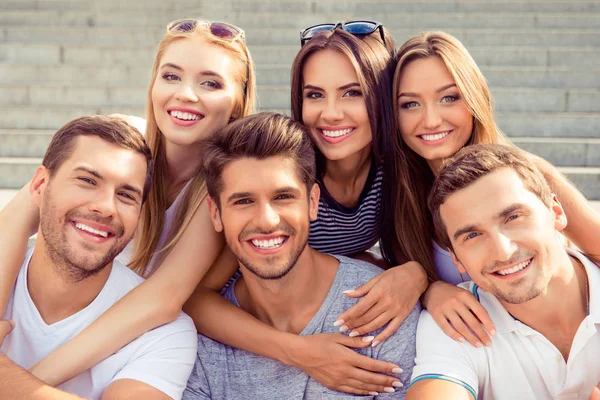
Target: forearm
{"x":19,"y":220}
{"x":209,"y":310}
{"x":16,"y":383}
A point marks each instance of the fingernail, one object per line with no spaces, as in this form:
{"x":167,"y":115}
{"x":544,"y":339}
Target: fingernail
{"x":368,"y":339}
{"x":493,"y":332}
{"x":478,"y":344}
{"x":397,"y":370}
{"x":348,"y":291}
{"x":373,"y":393}
{"x":343,"y":328}
{"x":488,"y":344}
{"x":353,"y":334}
{"x":338,"y":322}
{"x":389,"y":389}
{"x":397,"y":384}
{"x":461,"y":339}
{"x":375,"y":343}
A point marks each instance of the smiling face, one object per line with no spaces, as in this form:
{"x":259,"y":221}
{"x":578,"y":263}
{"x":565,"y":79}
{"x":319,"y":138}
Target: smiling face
{"x":504,"y":236}
{"x":89,"y":207}
{"x":195,"y":90}
{"x":433,"y":118}
{"x":265,"y":212}
{"x":334,"y":108}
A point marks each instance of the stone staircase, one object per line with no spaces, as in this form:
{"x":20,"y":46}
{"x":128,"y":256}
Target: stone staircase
{"x":60,"y":59}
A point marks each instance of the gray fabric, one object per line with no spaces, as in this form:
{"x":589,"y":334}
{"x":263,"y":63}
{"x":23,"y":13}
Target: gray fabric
{"x":223,"y":372}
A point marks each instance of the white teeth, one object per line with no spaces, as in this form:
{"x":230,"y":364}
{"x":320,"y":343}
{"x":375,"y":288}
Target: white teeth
{"x":184,"y":115}
{"x":268,"y":244}
{"x":334,"y":134}
{"x":514,"y":269}
{"x":86,"y":228}
{"x":437,"y":136}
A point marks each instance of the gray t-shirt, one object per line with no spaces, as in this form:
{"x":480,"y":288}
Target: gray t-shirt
{"x":224,"y":372}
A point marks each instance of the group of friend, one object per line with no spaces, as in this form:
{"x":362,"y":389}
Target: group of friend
{"x":261,"y":228}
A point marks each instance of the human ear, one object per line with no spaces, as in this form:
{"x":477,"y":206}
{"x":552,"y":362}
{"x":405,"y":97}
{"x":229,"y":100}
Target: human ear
{"x":38,"y":184}
{"x":560,"y":218}
{"x":313,"y":202}
{"x":215,"y":214}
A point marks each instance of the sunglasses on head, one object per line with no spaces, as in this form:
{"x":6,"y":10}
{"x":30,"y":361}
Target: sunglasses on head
{"x":221,"y":30}
{"x":354,"y":27}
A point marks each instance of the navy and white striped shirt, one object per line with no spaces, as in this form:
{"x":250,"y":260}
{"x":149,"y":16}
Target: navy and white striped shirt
{"x":347,"y":231}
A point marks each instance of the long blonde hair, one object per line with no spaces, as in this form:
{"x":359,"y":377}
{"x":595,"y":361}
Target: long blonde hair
{"x":153,"y":214}
{"x":412,"y":230}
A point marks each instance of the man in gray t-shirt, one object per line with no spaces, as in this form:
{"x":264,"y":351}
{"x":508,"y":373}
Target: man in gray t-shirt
{"x":262,"y":195}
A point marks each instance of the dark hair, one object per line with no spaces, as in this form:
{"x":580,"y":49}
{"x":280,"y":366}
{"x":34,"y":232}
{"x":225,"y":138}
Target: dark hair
{"x":111,"y":129}
{"x":474,"y":162}
{"x":257,"y":136}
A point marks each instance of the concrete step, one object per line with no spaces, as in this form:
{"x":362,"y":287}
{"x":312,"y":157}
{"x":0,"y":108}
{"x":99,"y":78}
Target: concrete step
{"x":586,"y":179}
{"x":566,"y":152}
{"x":280,"y":19}
{"x":118,"y":56}
{"x":363,"y":7}
{"x":279,"y":74}
{"x":133,"y":36}
{"x":551,"y":124}
{"x":278,"y":96}
{"x":19,"y":143}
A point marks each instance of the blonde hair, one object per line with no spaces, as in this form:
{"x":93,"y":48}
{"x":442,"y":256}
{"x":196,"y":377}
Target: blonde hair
{"x":153,"y":214}
{"x":412,"y":230}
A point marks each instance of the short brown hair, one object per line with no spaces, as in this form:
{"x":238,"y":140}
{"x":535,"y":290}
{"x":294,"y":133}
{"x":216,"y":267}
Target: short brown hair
{"x":111,"y":129}
{"x":474,"y":162}
{"x":258,"y":136}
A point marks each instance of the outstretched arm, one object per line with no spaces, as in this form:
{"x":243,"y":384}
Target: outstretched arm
{"x":19,"y":220}
{"x":583,"y":226}
{"x":155,"y":302}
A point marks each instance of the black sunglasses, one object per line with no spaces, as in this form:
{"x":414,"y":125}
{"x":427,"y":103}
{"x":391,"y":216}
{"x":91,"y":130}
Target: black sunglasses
{"x":221,"y":30}
{"x":353,"y":27}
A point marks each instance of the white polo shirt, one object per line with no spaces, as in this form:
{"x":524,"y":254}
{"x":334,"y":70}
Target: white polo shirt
{"x":521,"y":363}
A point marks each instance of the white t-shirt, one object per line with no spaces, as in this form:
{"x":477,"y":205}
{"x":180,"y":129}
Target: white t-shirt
{"x":163,"y":357}
{"x":521,"y":363}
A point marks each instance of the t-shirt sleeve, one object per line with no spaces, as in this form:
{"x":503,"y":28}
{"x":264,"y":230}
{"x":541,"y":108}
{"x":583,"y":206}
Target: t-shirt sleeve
{"x":198,"y":386}
{"x":400,"y":349}
{"x":441,"y":357}
{"x":166,"y":358}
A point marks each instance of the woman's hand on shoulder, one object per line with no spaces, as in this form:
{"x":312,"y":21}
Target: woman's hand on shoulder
{"x":459,"y":314}
{"x":386,"y":299}
{"x":328,"y":359}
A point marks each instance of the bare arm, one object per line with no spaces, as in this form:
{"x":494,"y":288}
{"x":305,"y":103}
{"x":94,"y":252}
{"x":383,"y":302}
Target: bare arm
{"x":130,"y":389}
{"x":583,"y":227}
{"x":19,"y":220}
{"x":155,"y":302}
{"x":434,"y":389}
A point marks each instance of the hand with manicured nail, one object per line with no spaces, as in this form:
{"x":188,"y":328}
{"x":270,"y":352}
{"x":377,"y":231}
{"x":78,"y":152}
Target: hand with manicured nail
{"x":329,"y":359}
{"x":459,"y":314}
{"x":386,"y":299}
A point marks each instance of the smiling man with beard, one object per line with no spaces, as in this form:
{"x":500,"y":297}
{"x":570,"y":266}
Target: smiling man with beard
{"x":495,"y":213}
{"x":90,"y":189}
{"x":260,"y":176}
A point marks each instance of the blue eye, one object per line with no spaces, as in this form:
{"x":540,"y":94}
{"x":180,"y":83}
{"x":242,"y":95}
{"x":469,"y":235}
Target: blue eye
{"x":211,"y":84}
{"x":168,"y":76}
{"x":87,"y":180}
{"x":512,"y":217}
{"x":449,"y":99}
{"x":471,"y":235}
{"x":409,"y":104}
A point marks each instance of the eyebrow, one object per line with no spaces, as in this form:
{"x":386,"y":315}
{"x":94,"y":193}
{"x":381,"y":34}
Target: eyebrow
{"x":348,"y":86}
{"x":411,"y":94}
{"x":98,"y":175}
{"x":502,"y":214}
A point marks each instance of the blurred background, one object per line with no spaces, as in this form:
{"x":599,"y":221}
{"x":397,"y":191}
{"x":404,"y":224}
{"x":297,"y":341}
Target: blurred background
{"x":60,"y":59}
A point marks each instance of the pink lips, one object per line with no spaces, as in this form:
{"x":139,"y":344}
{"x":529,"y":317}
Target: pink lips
{"x":338,"y":139}
{"x":182,"y":122}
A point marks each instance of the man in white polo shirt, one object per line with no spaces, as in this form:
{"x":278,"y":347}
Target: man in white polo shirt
{"x":494,"y":211}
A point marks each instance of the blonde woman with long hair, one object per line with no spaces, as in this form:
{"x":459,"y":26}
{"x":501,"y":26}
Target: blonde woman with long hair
{"x":202,"y":79}
{"x":443,"y":103}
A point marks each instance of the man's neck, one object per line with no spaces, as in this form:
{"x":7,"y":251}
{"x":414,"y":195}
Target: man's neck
{"x":55,"y":296}
{"x":558,"y":312}
{"x":289,"y":303}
